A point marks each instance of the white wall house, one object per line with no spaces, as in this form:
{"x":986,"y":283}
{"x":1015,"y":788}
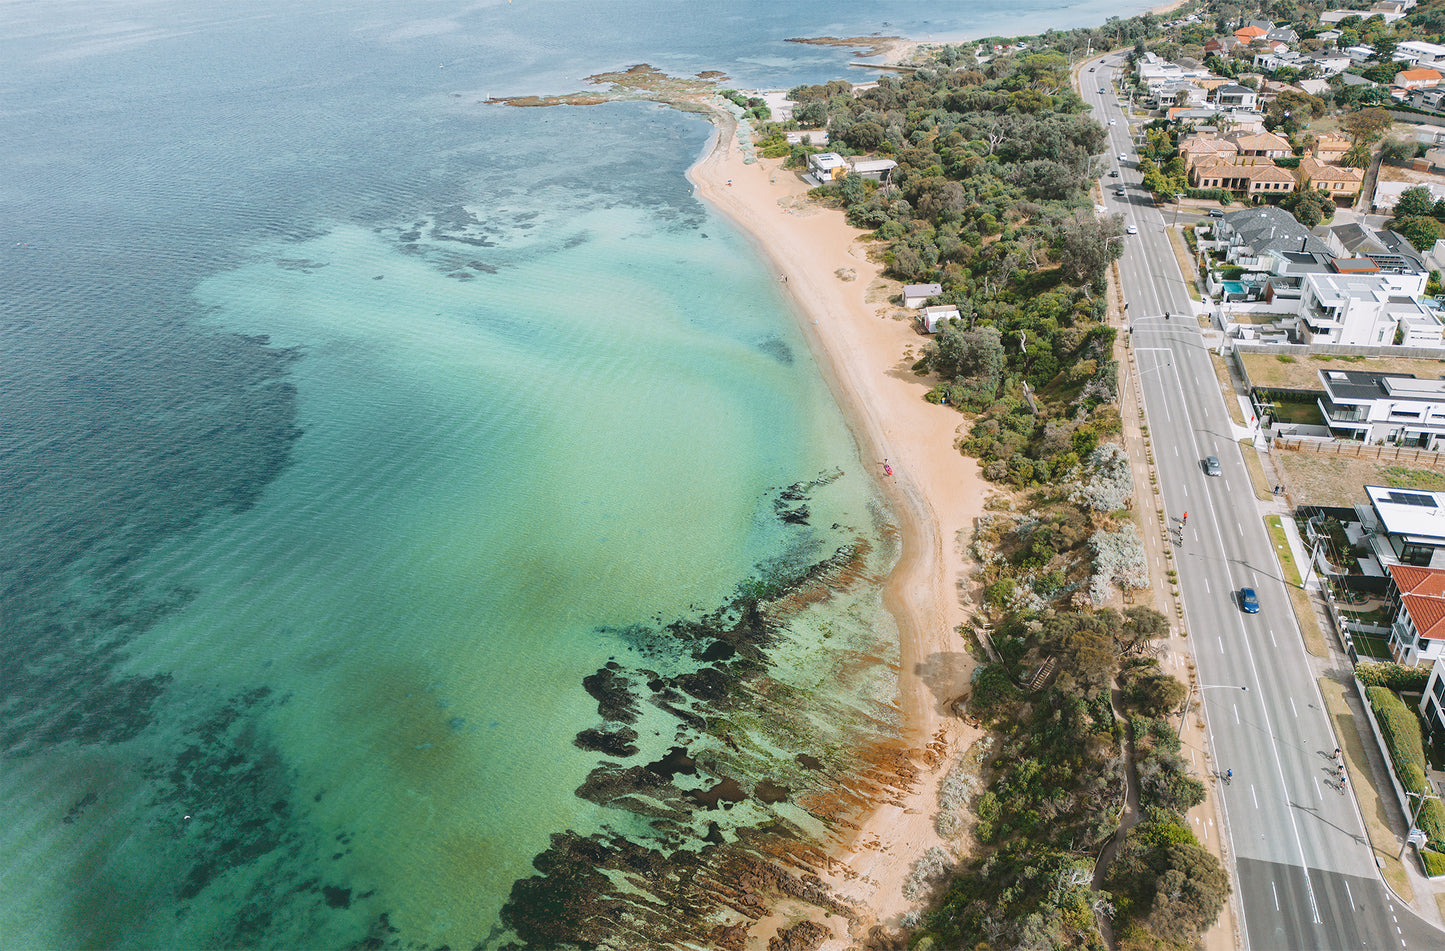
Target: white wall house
{"x":1417,"y":637}
{"x":1405,"y":526}
{"x":1432,"y":704}
{"x":937,"y":316}
{"x":827,"y":166}
{"x":1420,"y":54}
{"x":915,"y":294}
{"x":1384,"y":408}
{"x":1366,"y":310}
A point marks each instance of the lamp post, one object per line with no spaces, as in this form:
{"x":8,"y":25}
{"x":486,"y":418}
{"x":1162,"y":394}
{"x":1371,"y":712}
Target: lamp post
{"x":1408,"y":832}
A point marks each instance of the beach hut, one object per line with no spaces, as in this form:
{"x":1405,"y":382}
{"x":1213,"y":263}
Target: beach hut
{"x":876,"y":169}
{"x":934,"y":317}
{"x":915,"y":294}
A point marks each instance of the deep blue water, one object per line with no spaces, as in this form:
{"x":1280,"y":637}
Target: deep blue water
{"x":386,"y":479}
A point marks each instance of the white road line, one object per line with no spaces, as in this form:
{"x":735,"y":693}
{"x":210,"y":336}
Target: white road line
{"x":1235,"y":707}
{"x":1276,"y":895}
{"x":1207,"y":589}
{"x":1292,"y":708}
{"x":1318,"y":795}
{"x":1255,"y":796}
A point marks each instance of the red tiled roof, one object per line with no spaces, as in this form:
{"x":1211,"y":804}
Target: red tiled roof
{"x":1412,"y":579}
{"x":1428,"y":613}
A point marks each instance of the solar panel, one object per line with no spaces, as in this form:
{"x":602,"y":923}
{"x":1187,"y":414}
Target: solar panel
{"x":1411,"y":498}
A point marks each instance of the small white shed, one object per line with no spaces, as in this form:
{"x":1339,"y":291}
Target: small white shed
{"x":933,"y":317}
{"x":915,"y":294}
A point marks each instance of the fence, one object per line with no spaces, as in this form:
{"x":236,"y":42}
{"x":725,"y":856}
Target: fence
{"x":1356,"y":450}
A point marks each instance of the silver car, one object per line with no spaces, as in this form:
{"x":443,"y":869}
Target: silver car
{"x":1211,"y":466}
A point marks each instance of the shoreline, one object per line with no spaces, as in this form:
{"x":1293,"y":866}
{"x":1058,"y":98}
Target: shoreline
{"x":865,"y":352}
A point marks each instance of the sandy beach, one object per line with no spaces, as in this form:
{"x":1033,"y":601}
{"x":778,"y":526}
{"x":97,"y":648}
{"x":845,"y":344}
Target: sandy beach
{"x":866,"y":348}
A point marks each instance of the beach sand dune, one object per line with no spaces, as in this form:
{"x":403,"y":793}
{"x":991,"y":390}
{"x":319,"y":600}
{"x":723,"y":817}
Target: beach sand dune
{"x":866,"y":348}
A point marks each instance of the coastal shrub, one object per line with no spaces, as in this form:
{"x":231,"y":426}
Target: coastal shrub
{"x":1434,"y":862}
{"x":1396,"y":677}
{"x":930,"y":868}
{"x":1108,"y":484}
{"x":1119,"y":562}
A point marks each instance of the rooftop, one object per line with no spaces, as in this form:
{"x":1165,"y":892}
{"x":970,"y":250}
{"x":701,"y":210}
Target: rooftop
{"x":1359,"y":385}
{"x":1415,"y":513}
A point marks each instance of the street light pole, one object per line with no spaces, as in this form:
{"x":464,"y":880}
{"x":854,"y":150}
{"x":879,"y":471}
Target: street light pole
{"x":1423,"y":796}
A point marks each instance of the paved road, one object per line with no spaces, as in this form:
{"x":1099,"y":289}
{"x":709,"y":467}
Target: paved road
{"x":1304,"y":872}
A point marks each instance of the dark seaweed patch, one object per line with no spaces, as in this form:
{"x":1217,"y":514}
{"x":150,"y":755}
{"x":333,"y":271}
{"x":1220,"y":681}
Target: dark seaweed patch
{"x":612,"y":693}
{"x":622,"y":743}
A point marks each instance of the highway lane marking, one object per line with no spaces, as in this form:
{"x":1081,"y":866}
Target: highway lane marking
{"x":1275,"y":891}
{"x":1318,"y":794}
{"x":1255,"y":796}
{"x":1292,"y":708}
{"x":1207,"y":589}
{"x":1234,"y":707}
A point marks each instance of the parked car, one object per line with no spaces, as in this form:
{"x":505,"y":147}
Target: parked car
{"x":1248,"y":601}
{"x":1211,"y":466}
{"x":1215,"y":213}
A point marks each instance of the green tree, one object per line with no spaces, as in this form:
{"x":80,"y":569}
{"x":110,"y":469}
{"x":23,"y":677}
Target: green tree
{"x":1365,"y":126}
{"x":1087,"y":243}
{"x":1415,"y":201}
{"x":1309,"y":206}
{"x":1420,"y":230}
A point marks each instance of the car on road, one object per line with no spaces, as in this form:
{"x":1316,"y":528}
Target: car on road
{"x":1211,"y":466}
{"x":1131,"y":229}
{"x":1101,"y":90}
{"x":1248,"y":601}
{"x":1215,"y":213}
{"x":1091,"y":69}
{"x":1123,"y":157}
{"x":1113,"y":122}
{"x":1119,"y":193}
{"x":1114,"y":173}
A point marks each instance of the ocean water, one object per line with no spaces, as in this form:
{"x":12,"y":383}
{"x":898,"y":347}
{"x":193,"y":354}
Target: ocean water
{"x":421,"y":522}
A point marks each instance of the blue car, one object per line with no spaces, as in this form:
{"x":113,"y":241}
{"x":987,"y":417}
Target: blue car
{"x":1248,"y":601}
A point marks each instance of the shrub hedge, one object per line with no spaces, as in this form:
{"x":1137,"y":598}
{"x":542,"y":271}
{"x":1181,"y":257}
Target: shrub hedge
{"x":1434,"y":862}
{"x":1401,"y":729}
{"x":1396,"y":677}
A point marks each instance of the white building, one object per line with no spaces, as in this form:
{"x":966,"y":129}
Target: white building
{"x":933,"y":317}
{"x":1379,"y":408}
{"x":876,"y":169}
{"x":1420,"y":54}
{"x":1405,"y":526}
{"x":1367,"y":310}
{"x":915,"y":294}
{"x":1359,"y":54}
{"x":1432,"y":704}
{"x":827,"y":166}
{"x":1417,"y":636}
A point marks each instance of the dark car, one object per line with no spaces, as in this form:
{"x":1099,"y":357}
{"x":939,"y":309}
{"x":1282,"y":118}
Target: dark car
{"x":1114,"y":173}
{"x":1211,"y":466}
{"x":1215,"y":213}
{"x":1248,"y":601}
{"x":1120,"y":193}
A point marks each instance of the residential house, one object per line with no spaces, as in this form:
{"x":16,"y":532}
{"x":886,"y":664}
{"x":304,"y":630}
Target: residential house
{"x":1417,"y":53}
{"x":1247,"y":235}
{"x":1235,"y":96}
{"x":1417,"y":636}
{"x":1249,"y":34}
{"x":1265,"y":145}
{"x":1405,"y":526}
{"x":1330,"y":147}
{"x":1331,"y":63}
{"x":1277,"y":56}
{"x":1432,"y":702}
{"x":1369,"y":310}
{"x":1400,"y":7}
{"x":1417,"y":78}
{"x":1337,"y":181}
{"x":930,"y":318}
{"x":1247,"y":177}
{"x":1315,"y":87}
{"x":877,"y":169}
{"x":1335,"y":16}
{"x":914,"y":295}
{"x":1390,"y":251}
{"x":1429,"y":98}
{"x":1360,"y":54}
{"x":1206,"y":148}
{"x":827,"y":166}
{"x":1283,"y":34}
{"x":1329,"y":36}
{"x":1220,"y":45}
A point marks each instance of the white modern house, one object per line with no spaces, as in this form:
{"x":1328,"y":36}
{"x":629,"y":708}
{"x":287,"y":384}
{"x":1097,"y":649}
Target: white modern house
{"x":1420,"y":54}
{"x":932,"y":318}
{"x":827,"y":166}
{"x":1432,"y":704}
{"x":1367,"y":310}
{"x":1384,"y":408}
{"x":1405,"y":526}
{"x":914,"y":295}
{"x":1417,"y":636}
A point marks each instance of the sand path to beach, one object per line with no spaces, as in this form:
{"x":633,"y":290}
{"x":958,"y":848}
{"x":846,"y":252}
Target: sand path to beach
{"x":866,"y":349}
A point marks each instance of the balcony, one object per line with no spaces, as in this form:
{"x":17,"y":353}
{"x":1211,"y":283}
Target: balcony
{"x":1343,"y":413}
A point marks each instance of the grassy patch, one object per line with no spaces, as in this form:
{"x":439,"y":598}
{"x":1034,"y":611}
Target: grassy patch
{"x":1370,"y":645}
{"x":1377,"y":820}
{"x":1262,"y":489}
{"x":1306,"y":414}
{"x":1226,"y":386}
{"x":1315,"y":479}
{"x":1302,"y":373}
{"x":1299,"y":598}
{"x":1186,"y":265}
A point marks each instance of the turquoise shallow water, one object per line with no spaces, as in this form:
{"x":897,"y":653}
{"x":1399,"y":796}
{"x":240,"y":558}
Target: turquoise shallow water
{"x":423,"y":523}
